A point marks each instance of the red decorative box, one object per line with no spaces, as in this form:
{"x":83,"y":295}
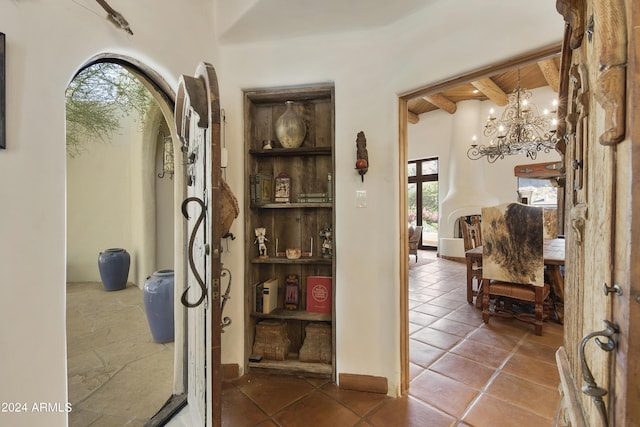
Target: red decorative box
{"x":319,"y":291}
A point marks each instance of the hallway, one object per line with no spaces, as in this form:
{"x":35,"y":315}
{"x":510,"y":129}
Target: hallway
{"x":463,"y":373}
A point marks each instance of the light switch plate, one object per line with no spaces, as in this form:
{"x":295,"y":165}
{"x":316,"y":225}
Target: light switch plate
{"x":361,"y":198}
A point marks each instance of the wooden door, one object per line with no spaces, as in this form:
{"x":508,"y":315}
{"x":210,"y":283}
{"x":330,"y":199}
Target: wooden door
{"x":598,"y":362}
{"x":198,"y":126}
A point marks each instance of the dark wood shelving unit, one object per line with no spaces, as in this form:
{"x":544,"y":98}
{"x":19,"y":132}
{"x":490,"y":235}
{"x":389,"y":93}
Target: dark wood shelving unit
{"x":293,"y":224}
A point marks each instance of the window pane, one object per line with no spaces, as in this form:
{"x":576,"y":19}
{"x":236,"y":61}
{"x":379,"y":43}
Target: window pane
{"x":412,"y":169}
{"x":542,"y":192}
{"x":430,"y":167}
{"x":430,"y":213}
{"x":412,"y":199}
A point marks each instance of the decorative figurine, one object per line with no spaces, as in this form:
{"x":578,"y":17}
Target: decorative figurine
{"x":327,"y":244}
{"x":260,"y":240}
{"x":362,"y":156}
{"x":292,"y":292}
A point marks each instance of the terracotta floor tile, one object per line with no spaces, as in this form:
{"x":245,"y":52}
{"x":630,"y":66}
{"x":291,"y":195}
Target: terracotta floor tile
{"x":464,"y":370}
{"x":443,"y":301}
{"x":359,"y":402}
{"x":473,"y":318}
{"x":453,"y":327}
{"x":548,"y":337}
{"x":421,"y":318}
{"x":423,"y":354}
{"x":494,"y":339}
{"x":539,"y":352}
{"x":318,"y":410}
{"x":545,"y":374}
{"x":433,"y":292}
{"x":272,"y":393}
{"x":414,"y":370}
{"x":481,"y":353}
{"x":441,"y":392}
{"x":491,"y":412}
{"x":409,"y":412}
{"x":433,"y":310}
{"x":530,"y":396}
{"x":413,"y":327}
{"x":436,"y":338}
{"x":420,"y":297}
{"x":239,"y":410}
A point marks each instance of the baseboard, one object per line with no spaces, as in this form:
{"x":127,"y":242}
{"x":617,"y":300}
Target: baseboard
{"x":453,"y":258}
{"x":230,"y":371}
{"x":368,"y":383}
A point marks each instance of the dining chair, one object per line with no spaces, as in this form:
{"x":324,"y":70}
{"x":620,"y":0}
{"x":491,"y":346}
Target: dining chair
{"x":472,"y":237}
{"x":415,"y":234}
{"x":513,"y":263}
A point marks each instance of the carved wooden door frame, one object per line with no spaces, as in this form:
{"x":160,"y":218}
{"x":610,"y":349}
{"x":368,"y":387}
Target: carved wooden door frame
{"x":598,"y":363}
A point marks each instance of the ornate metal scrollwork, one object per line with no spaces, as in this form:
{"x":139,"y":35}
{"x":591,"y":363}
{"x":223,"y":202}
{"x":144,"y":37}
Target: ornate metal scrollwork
{"x":226,"y":321}
{"x":591,"y":388}
{"x":192,"y":265}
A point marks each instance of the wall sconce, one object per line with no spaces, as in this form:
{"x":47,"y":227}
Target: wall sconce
{"x":362,"y":156}
{"x":167,"y":157}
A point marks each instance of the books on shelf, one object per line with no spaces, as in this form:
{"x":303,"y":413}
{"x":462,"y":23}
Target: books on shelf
{"x":260,"y":189}
{"x":266,"y":296}
{"x":319,"y":291}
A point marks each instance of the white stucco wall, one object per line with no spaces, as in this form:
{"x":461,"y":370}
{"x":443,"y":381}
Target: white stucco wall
{"x":99,"y":203}
{"x":46,"y":42}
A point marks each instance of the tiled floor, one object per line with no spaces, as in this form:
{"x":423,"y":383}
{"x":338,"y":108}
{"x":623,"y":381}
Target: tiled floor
{"x":464,"y":373}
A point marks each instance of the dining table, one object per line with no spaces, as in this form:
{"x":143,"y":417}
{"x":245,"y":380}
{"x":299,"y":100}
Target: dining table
{"x":553,"y":254}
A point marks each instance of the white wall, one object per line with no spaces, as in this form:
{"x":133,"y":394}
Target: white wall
{"x":99,"y":203}
{"x":370,"y":69}
{"x":46,"y":42}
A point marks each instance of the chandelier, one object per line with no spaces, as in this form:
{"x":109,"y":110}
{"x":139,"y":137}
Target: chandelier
{"x":519,"y":130}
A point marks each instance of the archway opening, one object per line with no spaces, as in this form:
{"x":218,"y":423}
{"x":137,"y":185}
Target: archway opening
{"x":119,"y":195}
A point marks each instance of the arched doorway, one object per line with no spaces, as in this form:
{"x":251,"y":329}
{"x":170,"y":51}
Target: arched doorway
{"x":148,"y":217}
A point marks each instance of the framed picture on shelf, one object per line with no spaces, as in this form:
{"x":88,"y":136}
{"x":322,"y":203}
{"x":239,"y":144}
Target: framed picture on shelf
{"x":282,"y":188}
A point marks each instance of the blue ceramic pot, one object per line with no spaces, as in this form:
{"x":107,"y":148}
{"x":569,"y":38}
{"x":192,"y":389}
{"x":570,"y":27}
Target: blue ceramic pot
{"x":114,"y":268}
{"x":158,"y":304}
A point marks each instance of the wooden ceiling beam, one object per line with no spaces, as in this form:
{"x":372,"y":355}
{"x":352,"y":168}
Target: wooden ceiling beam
{"x":550,"y":73}
{"x":413,"y":118}
{"x":441,"y":102}
{"x":491,"y":90}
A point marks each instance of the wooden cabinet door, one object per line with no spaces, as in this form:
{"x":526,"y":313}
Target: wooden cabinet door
{"x":598,"y":362}
{"x":198,"y":125}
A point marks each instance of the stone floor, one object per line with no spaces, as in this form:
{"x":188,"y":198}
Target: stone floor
{"x":463,"y":372}
{"x":117,"y":374}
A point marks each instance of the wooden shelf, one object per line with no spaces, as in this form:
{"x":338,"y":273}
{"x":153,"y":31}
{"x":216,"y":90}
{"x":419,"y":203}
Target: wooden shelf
{"x":294,"y":366}
{"x":283,"y":260}
{"x":288,"y":152}
{"x":281,"y":313}
{"x":293,"y":205}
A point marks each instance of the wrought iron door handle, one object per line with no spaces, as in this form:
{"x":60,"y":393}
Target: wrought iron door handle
{"x":192,"y":265}
{"x":226,"y":321}
{"x":591,"y":388}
